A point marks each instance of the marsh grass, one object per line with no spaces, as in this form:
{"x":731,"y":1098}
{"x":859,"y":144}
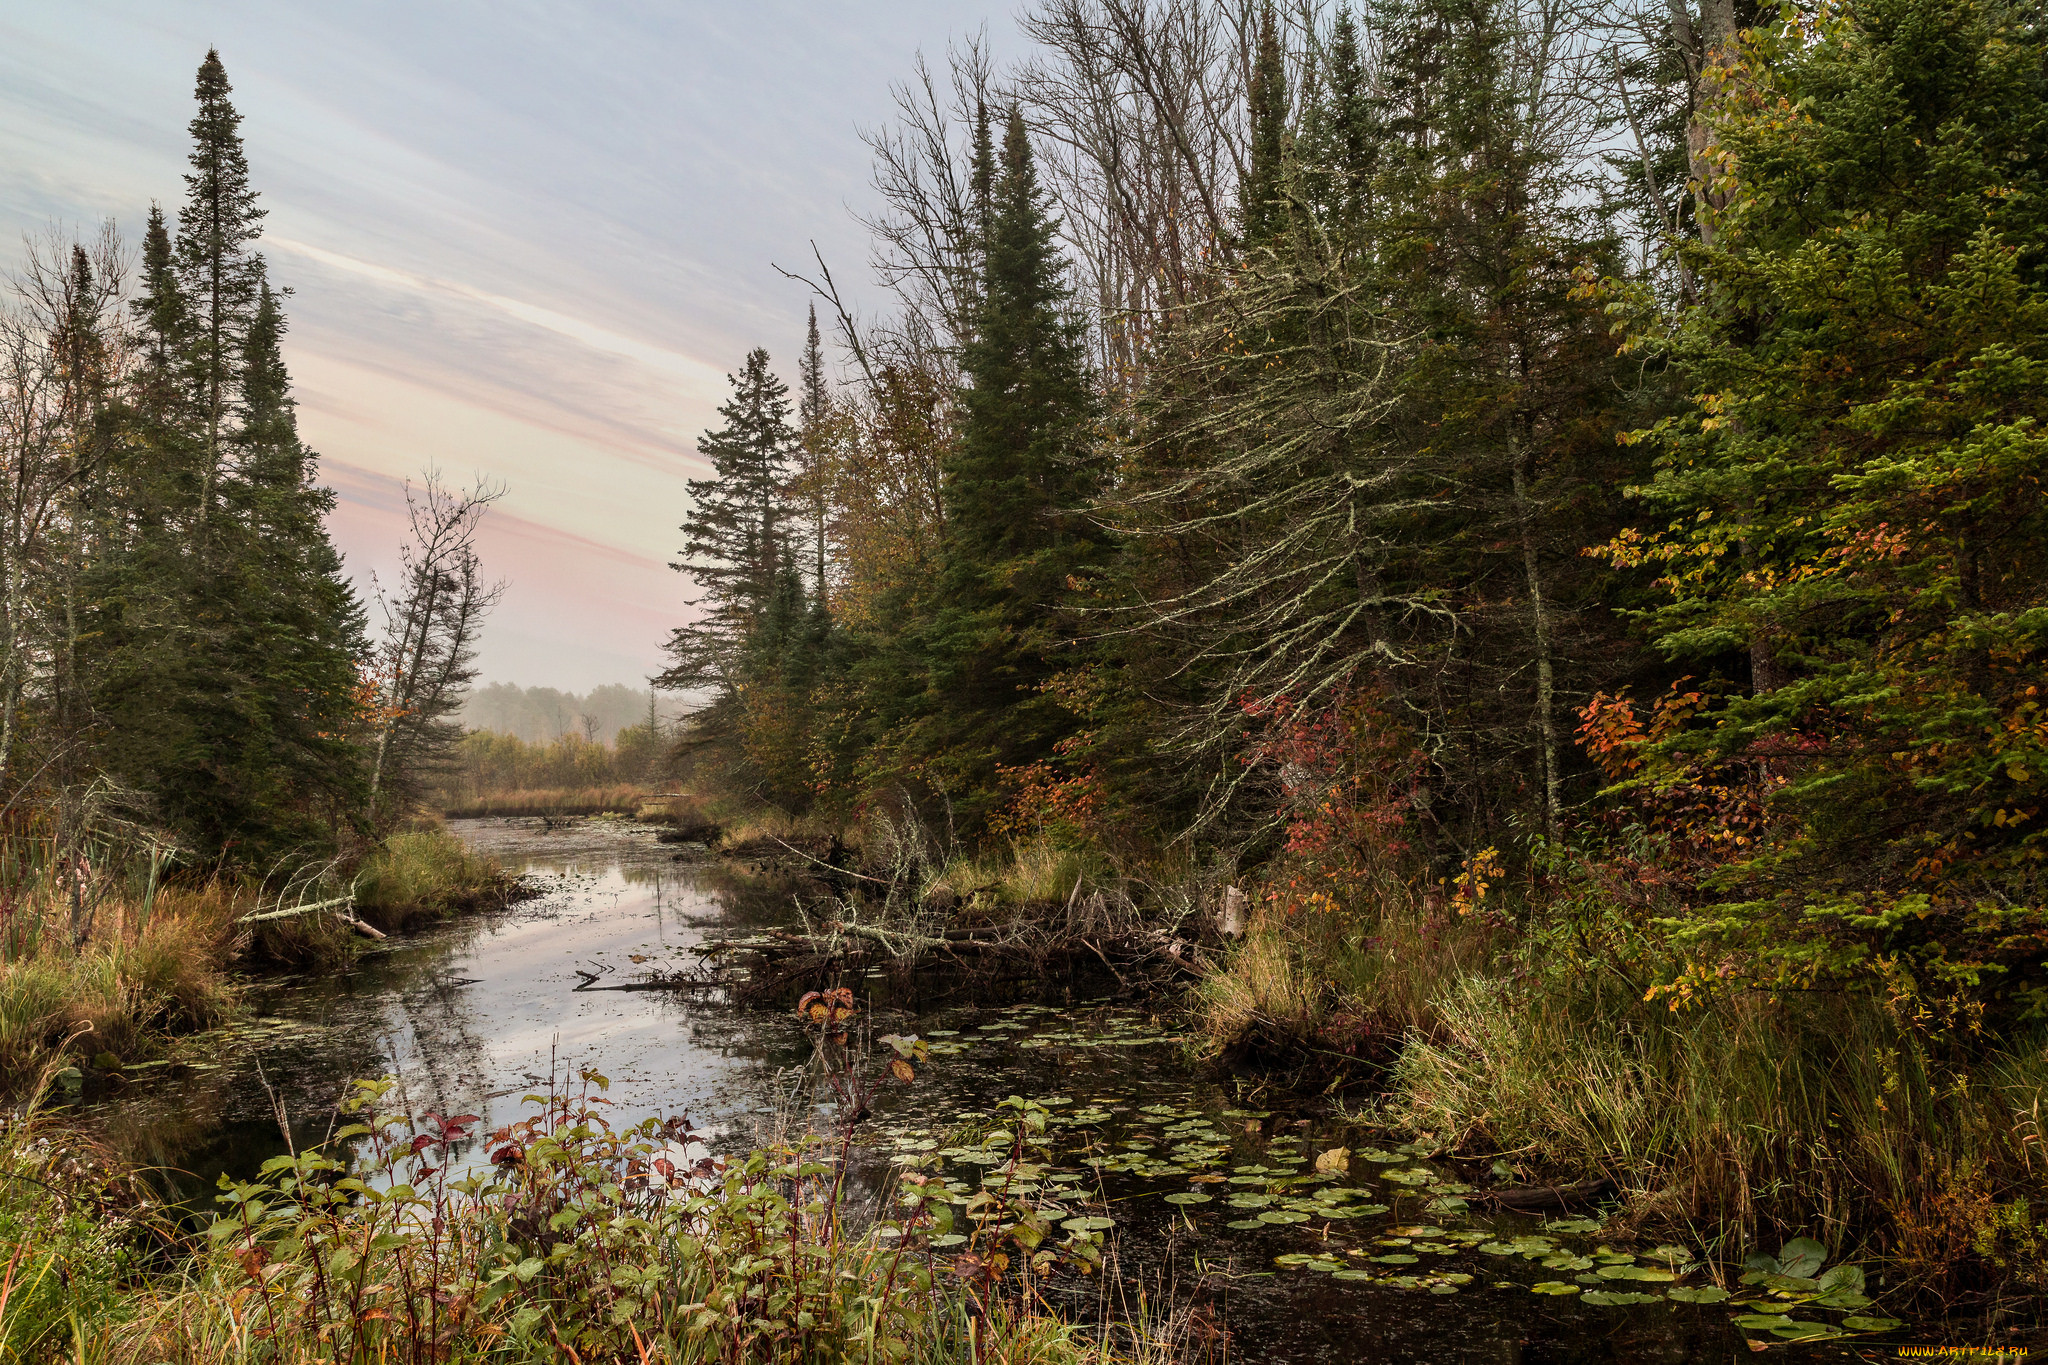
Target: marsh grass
{"x":123,"y":990}
{"x":1757,"y":1116}
{"x":1739,"y":1120}
{"x":424,"y":873}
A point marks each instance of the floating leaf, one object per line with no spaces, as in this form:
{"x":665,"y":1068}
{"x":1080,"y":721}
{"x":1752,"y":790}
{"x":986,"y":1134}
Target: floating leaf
{"x":1859,"y":1324}
{"x":1554,"y":1287}
{"x":1806,"y":1331}
{"x":1849,"y":1277}
{"x":1093,"y":1223}
{"x":1282,"y":1216}
{"x":1397,"y":1258}
{"x":1762,"y":1322}
{"x":1802,"y":1256}
{"x":1617,"y":1298}
{"x":1704,"y":1294}
{"x":1351,"y":1273}
{"x":1189,"y":1197}
{"x":1244,"y":1225}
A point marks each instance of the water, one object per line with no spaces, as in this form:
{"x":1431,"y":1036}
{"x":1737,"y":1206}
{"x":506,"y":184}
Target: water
{"x":473,"y":1015}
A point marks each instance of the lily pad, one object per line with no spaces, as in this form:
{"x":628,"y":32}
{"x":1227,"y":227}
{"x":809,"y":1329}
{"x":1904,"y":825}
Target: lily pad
{"x":1861,"y":1324}
{"x":1244,"y":1225}
{"x":1802,"y":1256}
{"x":1090,"y":1224}
{"x":1351,"y":1273}
{"x":1554,"y":1287}
{"x":1762,"y":1322}
{"x":1282,"y":1216}
{"x":1703,"y":1294}
{"x":1617,"y":1297}
{"x":1397,"y":1258}
{"x":1189,"y":1197}
{"x":1806,"y":1331}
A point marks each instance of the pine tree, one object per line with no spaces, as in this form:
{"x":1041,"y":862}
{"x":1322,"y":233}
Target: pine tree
{"x":219,"y":276}
{"x":226,"y":636}
{"x":306,"y":626}
{"x":733,"y":534}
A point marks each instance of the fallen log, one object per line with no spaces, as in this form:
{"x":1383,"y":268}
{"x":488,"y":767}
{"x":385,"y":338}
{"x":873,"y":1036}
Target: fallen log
{"x":1544,"y":1198}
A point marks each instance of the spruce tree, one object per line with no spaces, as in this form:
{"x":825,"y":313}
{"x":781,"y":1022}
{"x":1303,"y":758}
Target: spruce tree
{"x":733,"y":534}
{"x":218,"y":274}
{"x":1340,"y":143}
{"x":814,"y":438}
{"x":226,"y":635}
{"x":1260,"y":207}
{"x":1015,"y":488}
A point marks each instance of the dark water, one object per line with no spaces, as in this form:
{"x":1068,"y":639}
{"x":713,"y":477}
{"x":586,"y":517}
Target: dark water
{"x":474,"y":1015}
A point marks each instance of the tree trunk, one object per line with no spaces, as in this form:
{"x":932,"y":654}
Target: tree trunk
{"x":1539,"y":614}
{"x":1700,"y":46}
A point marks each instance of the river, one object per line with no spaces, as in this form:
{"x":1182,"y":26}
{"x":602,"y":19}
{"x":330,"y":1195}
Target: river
{"x":1214,"y":1184}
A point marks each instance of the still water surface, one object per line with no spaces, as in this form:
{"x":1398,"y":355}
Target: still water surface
{"x":473,"y":1015}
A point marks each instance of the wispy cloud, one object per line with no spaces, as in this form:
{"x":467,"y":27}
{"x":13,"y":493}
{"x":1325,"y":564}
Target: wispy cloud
{"x":701,"y":381}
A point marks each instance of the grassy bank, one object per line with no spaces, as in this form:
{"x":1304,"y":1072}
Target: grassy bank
{"x":1739,"y":1119}
{"x":423,"y":874}
{"x":142,"y":962}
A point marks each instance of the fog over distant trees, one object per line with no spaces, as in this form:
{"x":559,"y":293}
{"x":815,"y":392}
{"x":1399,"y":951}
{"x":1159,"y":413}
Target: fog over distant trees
{"x":540,"y":715}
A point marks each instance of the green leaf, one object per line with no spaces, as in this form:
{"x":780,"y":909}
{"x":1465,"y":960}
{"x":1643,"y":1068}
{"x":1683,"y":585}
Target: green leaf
{"x":1859,"y":1324}
{"x":1704,"y":1294}
{"x":1802,"y":1256}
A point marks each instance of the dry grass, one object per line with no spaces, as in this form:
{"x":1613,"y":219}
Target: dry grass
{"x":122,"y":991}
{"x":424,"y":874}
{"x":624,"y":799}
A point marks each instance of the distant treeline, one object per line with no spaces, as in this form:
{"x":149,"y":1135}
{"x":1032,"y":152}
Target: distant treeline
{"x":486,"y":764}
{"x":540,"y":715}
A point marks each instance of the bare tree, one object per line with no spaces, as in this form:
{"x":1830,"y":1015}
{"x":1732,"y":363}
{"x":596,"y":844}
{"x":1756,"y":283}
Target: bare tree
{"x":62,"y":357}
{"x":426,"y":660}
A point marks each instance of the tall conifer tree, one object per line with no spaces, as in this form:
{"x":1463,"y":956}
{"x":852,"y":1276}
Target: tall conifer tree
{"x":733,"y":534}
{"x":218,"y":273}
{"x":1259,"y":195}
{"x":1016,"y":535}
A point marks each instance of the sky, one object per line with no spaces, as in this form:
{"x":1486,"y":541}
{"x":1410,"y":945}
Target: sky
{"x":526,"y":241}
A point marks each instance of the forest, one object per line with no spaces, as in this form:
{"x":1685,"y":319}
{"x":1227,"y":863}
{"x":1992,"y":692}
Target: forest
{"x":1486,"y":558}
{"x":203,"y":727}
{"x":1543,"y":501}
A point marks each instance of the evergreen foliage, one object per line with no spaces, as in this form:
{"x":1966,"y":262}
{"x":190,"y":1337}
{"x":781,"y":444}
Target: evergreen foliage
{"x":192,"y":657}
{"x":734,"y":538}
